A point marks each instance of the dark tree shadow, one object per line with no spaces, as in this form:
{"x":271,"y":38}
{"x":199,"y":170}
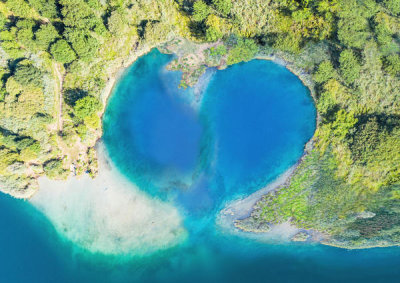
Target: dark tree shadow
{"x":72,"y":95}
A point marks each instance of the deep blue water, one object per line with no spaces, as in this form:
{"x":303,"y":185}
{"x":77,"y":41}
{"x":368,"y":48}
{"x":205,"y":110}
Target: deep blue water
{"x":251,"y":126}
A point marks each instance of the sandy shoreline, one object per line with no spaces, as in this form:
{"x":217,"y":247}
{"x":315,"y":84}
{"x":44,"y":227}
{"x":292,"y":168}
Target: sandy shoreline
{"x":242,"y":208}
{"x":235,"y":210}
{"x":109,"y":214}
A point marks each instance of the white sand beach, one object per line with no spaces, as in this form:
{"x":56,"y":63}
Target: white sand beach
{"x":108,"y":214}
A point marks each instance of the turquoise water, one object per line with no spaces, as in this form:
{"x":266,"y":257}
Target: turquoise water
{"x":251,"y":126}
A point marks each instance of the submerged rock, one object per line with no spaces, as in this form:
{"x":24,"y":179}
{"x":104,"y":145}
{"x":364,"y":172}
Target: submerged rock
{"x":300,"y":237}
{"x":250,"y":225}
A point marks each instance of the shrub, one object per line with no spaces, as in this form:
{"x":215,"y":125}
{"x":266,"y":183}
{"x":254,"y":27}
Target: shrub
{"x":7,"y":157}
{"x":93,"y":121}
{"x":54,"y":169}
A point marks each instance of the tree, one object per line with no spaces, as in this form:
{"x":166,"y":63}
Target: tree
{"x":343,"y":123}
{"x":216,"y":27}
{"x":78,"y":15}
{"x":46,"y":8}
{"x":27,"y":74}
{"x":9,"y":43}
{"x":245,"y":50}
{"x":19,"y":8}
{"x":383,"y":34}
{"x":62,"y":52}
{"x":25,"y":33}
{"x":223,"y":6}
{"x":3,"y":21}
{"x":82,"y":42}
{"x":45,"y":35}
{"x":393,"y":6}
{"x":353,"y":31}
{"x":349,"y":66}
{"x":325,"y":72}
{"x":54,"y":169}
{"x":87,"y":106}
{"x":392,"y":65}
{"x":213,"y":34}
{"x":200,"y":10}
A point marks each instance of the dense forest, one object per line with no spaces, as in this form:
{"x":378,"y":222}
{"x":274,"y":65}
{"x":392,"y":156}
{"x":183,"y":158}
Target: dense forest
{"x":58,"y":58}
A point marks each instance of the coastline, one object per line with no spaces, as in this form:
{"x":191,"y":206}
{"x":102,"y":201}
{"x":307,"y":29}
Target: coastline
{"x":242,"y":208}
{"x":238,"y":209}
{"x":109,"y":214}
{"x":116,"y":73}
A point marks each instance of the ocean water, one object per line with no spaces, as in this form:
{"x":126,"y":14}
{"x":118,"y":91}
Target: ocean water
{"x":197,"y":155}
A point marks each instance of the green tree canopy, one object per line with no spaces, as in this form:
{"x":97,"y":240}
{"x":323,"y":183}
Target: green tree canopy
{"x":383,"y":34}
{"x":46,"y":8}
{"x":393,"y":6}
{"x":54,"y":168}
{"x":3,"y":21}
{"x":349,"y":66}
{"x":78,"y":15}
{"x":26,"y":74}
{"x":86,"y":106}
{"x":223,"y":6}
{"x":392,"y":64}
{"x":62,"y":52}
{"x":353,"y":31}
{"x":245,"y":50}
{"x":25,"y":33}
{"x":82,"y":42}
{"x":200,"y":10}
{"x":19,"y":8}
{"x":325,"y":72}
{"x":45,"y":35}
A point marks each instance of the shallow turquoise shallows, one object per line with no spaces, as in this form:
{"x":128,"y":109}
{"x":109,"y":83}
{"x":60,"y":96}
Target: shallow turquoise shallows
{"x":197,"y":149}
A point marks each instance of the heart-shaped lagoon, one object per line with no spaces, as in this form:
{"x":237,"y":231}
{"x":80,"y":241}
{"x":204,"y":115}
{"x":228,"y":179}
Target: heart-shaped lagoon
{"x":250,"y":125}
